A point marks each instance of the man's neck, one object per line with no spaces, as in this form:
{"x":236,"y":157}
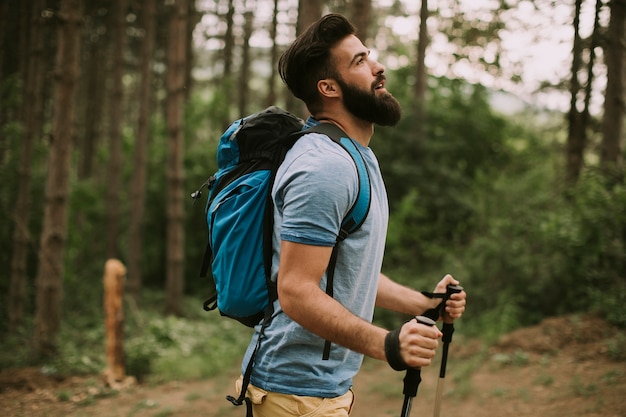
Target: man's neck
{"x":357,"y":129}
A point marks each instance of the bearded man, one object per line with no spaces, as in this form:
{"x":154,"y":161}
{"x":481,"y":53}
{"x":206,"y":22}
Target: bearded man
{"x":332,"y":72}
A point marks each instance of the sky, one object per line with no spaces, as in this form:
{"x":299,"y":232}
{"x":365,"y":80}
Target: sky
{"x":538,"y":41}
{"x":537,"y":44}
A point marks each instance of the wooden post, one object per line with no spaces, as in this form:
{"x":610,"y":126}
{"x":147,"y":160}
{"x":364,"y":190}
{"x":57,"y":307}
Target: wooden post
{"x":114,"y":277}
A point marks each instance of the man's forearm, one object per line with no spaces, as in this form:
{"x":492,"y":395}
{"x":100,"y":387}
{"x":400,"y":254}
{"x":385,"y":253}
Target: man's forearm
{"x":396,"y":297}
{"x":324,"y":316}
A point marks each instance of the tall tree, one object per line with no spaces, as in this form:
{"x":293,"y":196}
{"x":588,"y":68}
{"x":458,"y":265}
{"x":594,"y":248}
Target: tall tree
{"x":176,"y":62}
{"x":580,"y":96}
{"x":97,"y":38}
{"x":309,"y":11}
{"x":32,"y":105}
{"x":138,"y":185}
{"x":244,"y":71}
{"x":4,"y":16}
{"x":614,"y":102}
{"x":271,"y":92}
{"x":114,"y":170}
{"x":421,"y":75}
{"x":228,"y":55}
{"x":49,"y":282}
{"x":361,"y":15}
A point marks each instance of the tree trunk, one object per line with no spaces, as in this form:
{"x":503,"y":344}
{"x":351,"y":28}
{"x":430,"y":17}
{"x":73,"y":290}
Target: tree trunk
{"x":361,"y":13}
{"x":95,"y":76}
{"x":54,"y":234}
{"x":138,"y":186}
{"x":114,"y":281}
{"x":176,"y":62}
{"x":24,"y":19}
{"x":229,"y":39}
{"x":114,"y":170}
{"x":271,"y":93}
{"x":420,"y":74}
{"x":4,"y":16}
{"x":309,"y":11}
{"x":576,"y":138}
{"x":614,"y":104}
{"x":31,"y":121}
{"x":228,"y":53}
{"x":244,"y":71}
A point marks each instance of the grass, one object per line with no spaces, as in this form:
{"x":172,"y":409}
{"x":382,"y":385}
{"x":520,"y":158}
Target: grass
{"x":582,"y":389}
{"x":199,"y":345}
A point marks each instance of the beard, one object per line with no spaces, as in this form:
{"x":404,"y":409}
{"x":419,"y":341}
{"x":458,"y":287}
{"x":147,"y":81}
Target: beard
{"x":382,"y":109}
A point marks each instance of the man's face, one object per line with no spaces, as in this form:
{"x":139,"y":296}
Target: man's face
{"x":362,"y":83}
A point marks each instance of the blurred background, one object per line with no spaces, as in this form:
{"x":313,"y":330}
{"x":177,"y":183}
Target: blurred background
{"x":505,"y":171}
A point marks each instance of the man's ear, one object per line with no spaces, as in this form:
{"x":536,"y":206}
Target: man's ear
{"x":328,"y":88}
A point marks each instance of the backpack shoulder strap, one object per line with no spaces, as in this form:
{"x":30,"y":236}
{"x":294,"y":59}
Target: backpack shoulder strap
{"x":358,"y":212}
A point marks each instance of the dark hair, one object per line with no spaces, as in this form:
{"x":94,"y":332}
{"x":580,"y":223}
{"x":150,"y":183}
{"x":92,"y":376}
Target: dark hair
{"x":307,"y":60}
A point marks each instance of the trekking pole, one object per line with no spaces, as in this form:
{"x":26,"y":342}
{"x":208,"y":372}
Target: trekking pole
{"x":413,"y":377}
{"x":447,"y":330}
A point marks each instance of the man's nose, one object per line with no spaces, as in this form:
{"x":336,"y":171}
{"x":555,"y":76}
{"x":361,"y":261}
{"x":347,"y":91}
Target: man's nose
{"x":377,"y":68}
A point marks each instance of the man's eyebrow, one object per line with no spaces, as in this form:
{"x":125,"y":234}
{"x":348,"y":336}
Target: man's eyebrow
{"x":360,"y":55}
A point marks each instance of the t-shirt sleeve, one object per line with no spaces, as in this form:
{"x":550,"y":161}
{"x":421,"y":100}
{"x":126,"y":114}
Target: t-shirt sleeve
{"x":315,"y":187}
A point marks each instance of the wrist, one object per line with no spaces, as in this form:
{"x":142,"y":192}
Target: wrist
{"x":392,"y":350}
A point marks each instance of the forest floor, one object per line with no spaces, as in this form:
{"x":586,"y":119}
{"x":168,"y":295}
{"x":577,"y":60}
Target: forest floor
{"x":567,"y":366}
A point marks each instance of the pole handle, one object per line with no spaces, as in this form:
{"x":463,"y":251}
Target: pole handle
{"x":450,"y":289}
{"x":413,"y":376}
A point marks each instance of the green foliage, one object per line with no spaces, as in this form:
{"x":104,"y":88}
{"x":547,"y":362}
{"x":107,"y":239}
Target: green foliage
{"x":544,"y":252}
{"x":428,"y":178}
{"x":181,"y":348}
{"x":155,"y":346}
{"x":481,"y":197}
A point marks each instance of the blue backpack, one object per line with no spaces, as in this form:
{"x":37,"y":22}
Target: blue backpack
{"x":239,"y":214}
{"x":239,"y":209}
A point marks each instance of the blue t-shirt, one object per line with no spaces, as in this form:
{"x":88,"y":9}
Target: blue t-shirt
{"x":315,"y":187}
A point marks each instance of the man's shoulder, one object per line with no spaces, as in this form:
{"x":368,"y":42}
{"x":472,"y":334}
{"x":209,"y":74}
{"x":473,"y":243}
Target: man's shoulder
{"x":318,"y":146}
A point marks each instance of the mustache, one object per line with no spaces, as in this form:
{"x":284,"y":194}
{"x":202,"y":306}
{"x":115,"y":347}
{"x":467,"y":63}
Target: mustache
{"x":380,"y":78}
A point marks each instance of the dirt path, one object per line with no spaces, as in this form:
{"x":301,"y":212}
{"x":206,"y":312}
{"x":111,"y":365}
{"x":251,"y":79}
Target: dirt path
{"x":563,"y":367}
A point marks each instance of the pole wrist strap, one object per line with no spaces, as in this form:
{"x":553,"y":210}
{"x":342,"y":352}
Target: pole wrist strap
{"x":392,"y":350}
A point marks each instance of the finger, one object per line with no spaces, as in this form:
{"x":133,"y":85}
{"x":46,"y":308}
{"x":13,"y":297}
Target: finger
{"x":450,"y":279}
{"x":418,"y":355}
{"x":419,"y":334}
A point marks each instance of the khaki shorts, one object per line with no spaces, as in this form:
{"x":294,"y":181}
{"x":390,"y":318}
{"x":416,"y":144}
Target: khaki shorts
{"x":272,"y":404}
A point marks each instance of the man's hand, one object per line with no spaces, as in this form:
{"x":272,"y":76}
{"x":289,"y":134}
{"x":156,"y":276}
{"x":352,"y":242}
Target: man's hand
{"x":418,"y":343}
{"x":455,"y":306}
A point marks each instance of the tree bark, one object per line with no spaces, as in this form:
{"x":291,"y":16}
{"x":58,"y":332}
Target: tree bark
{"x":614,"y":105}
{"x":54,"y":234}
{"x":271,"y":93}
{"x":31,"y":121}
{"x":244,"y":71}
{"x":113,"y":281}
{"x":95,"y":87}
{"x":114,"y":169}
{"x":361,"y":14}
{"x":420,"y":74}
{"x":309,"y":11}
{"x":226,"y":84}
{"x":138,"y":186}
{"x":175,"y":80}
{"x":576,"y":138}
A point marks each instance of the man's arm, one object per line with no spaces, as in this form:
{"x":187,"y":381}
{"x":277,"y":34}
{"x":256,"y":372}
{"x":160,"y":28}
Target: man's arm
{"x":300,"y":271}
{"x":399,"y":298}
